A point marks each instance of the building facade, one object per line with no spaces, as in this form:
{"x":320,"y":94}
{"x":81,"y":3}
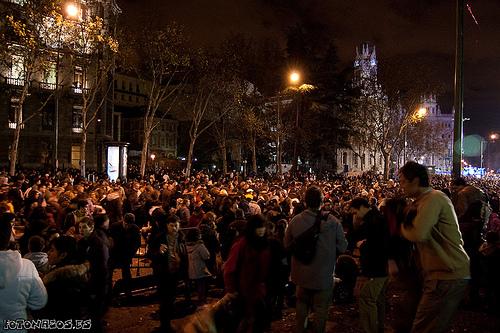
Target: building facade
{"x":440,"y":154}
{"x":53,"y":92}
{"x":363,"y":156}
{"x":437,"y":149}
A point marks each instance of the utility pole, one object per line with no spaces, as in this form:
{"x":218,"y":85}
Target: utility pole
{"x":459,"y":91}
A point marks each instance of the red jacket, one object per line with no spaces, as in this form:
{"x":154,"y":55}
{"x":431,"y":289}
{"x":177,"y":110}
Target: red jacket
{"x":246,"y":270}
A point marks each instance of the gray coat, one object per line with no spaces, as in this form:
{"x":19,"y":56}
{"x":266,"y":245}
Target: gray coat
{"x":319,"y":274}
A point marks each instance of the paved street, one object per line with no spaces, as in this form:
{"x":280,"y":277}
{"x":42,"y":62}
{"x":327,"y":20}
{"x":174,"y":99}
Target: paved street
{"x":342,"y":318}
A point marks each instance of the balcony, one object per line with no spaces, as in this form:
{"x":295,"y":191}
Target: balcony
{"x":78,"y":89}
{"x":15,"y":82}
{"x":48,"y":86}
{"x":13,"y":125}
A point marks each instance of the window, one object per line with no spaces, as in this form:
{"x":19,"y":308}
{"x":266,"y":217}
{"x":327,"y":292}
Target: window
{"x":137,"y":87}
{"x":78,"y":80}
{"x":123,"y":85}
{"x":16,"y":75}
{"x":48,"y":117}
{"x":344,"y":158}
{"x":75,"y":156}
{"x":77,"y":120}
{"x":49,"y":77}
{"x":354,"y":159}
{"x":130,"y":86}
{"x":15,"y":114}
{"x":380,"y":160}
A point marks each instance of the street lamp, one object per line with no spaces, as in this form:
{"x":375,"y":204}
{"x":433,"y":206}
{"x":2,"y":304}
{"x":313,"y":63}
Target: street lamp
{"x":294,"y":77}
{"x":294,"y":80}
{"x":422,"y":112}
{"x":416,"y":117}
{"x":484,"y":150}
{"x":72,"y":11}
{"x":459,"y":90}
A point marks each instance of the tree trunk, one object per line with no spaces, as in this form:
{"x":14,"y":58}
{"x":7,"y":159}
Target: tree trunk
{"x":144,"y":153}
{"x":387,"y":162}
{"x":190,"y":156}
{"x":254,"y":156}
{"x":279,"y":170}
{"x":83,"y":151}
{"x":295,"y":160}
{"x":14,"y":148}
{"x":223,"y":151}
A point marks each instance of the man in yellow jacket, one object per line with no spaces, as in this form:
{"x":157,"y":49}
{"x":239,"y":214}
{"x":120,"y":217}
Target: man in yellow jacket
{"x":432,"y":225}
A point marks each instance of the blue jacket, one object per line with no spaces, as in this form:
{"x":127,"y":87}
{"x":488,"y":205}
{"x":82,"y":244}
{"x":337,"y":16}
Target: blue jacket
{"x":319,"y":274}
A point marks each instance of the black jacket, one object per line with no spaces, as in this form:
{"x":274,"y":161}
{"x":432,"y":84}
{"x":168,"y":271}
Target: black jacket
{"x":374,"y":253}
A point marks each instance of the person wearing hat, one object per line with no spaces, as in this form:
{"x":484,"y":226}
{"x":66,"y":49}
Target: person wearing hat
{"x":20,"y":285}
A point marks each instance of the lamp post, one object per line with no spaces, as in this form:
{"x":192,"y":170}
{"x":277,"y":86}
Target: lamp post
{"x":71,"y":11}
{"x":459,"y":91}
{"x":416,"y":117}
{"x":294,"y":80}
{"x":484,"y":150}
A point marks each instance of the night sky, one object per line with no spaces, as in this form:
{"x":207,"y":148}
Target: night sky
{"x":398,"y":28}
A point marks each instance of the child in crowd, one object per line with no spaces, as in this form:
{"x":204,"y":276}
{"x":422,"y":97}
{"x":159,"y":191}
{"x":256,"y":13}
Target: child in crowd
{"x":36,"y":245}
{"x":197,"y":256}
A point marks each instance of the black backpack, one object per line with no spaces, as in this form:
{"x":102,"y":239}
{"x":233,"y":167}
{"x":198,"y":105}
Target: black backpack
{"x":303,"y":247}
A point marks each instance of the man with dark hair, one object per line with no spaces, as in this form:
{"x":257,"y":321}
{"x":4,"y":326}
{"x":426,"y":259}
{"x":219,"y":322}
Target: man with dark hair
{"x":315,"y":280}
{"x":314,"y":197}
{"x":126,"y":241}
{"x":473,"y":213}
{"x":100,"y":273}
{"x":412,"y":170}
{"x":432,"y":225}
{"x":372,"y":240}
{"x":167,"y":253}
{"x":73,"y":219}
{"x":20,"y":285}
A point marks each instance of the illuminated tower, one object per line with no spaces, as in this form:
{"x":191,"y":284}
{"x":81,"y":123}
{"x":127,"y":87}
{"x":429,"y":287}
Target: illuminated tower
{"x":365,"y":64}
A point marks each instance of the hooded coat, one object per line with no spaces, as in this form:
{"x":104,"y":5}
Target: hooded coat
{"x":20,"y":287}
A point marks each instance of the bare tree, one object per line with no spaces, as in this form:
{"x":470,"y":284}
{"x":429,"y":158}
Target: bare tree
{"x":253,"y":125}
{"x":93,"y":48}
{"x":387,"y":107}
{"x":215,"y":94}
{"x":159,"y":57}
{"x":30,"y":41}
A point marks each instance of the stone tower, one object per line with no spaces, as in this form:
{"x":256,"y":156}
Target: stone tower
{"x":365,"y":64}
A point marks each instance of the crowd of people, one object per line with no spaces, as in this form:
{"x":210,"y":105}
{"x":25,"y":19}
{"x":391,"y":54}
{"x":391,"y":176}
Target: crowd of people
{"x":62,"y":236}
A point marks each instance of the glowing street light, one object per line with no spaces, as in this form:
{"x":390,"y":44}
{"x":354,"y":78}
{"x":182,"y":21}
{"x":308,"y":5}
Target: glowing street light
{"x":72,"y":10}
{"x":494,"y":136}
{"x":422,"y":112}
{"x":294,"y":77}
{"x":153,"y":156}
{"x":413,"y":119}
